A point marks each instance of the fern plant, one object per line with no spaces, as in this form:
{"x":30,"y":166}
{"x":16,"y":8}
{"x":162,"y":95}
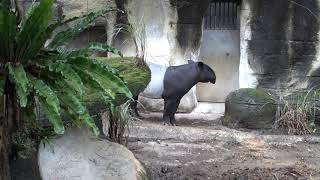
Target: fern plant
{"x":34,"y":70}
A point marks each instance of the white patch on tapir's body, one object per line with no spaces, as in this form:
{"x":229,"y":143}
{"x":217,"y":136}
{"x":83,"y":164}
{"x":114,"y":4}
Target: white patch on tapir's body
{"x":155,"y":87}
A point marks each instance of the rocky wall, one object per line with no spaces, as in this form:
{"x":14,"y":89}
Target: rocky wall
{"x":279,"y":44}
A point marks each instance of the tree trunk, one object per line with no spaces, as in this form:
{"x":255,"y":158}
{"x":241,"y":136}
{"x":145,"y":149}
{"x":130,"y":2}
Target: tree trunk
{"x":5,"y":143}
{"x":9,"y":115}
{"x":9,"y":122}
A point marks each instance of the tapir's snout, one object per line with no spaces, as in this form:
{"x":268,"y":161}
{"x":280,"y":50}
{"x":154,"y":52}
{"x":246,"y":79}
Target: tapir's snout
{"x":213,"y":80}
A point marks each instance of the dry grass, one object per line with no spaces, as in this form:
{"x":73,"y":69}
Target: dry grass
{"x":297,"y":115}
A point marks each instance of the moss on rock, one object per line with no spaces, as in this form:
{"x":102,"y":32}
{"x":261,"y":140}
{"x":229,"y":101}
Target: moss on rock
{"x":251,"y":96}
{"x":136,"y":77}
{"x":250,"y":108}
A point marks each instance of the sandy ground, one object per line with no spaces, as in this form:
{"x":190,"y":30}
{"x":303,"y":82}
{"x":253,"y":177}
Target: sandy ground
{"x":202,"y":149}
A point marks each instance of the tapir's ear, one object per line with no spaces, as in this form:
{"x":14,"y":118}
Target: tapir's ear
{"x":190,"y":61}
{"x":200,"y":64}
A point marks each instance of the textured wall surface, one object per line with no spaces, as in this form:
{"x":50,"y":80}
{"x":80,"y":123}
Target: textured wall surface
{"x":279,"y":44}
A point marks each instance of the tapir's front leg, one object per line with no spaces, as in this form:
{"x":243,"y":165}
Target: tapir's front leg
{"x":170,"y":108}
{"x":173,"y":111}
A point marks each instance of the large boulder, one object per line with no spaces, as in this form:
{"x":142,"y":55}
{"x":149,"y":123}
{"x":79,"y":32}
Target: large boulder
{"x":250,"y":108}
{"x":77,"y":155}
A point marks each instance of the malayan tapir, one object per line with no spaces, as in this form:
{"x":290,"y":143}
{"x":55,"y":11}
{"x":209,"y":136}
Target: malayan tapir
{"x":173,"y":82}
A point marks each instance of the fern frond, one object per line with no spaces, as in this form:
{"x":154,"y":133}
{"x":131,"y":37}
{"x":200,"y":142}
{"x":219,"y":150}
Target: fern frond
{"x":49,"y":102}
{"x":69,"y":74}
{"x":105,"y":78}
{"x":66,"y":36}
{"x":74,"y":107}
{"x":7,"y":34}
{"x":34,"y":31}
{"x":19,"y":77}
{"x":104,"y":48}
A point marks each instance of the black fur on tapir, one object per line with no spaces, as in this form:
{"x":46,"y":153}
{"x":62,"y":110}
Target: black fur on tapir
{"x":178,"y":80}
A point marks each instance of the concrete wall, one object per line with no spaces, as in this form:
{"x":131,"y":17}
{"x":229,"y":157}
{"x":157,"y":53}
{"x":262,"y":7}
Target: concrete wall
{"x":220,"y":49}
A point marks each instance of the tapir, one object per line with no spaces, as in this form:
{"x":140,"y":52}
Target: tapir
{"x":173,"y":82}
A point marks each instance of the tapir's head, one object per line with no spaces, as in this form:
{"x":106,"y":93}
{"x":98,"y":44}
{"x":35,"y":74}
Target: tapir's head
{"x":206,"y":74}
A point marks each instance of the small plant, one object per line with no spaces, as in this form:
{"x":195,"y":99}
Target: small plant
{"x":297,"y":114}
{"x":26,"y":141}
{"x":119,"y":119}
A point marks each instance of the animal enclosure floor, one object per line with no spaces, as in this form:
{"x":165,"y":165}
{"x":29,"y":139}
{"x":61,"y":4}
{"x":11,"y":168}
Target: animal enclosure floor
{"x":207,"y":150}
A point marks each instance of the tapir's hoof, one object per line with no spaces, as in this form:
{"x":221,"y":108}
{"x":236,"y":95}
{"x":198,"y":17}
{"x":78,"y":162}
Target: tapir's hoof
{"x":174,"y":124}
{"x":165,"y":124}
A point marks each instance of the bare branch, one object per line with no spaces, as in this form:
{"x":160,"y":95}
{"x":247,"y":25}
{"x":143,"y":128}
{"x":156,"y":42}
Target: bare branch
{"x":304,"y":7}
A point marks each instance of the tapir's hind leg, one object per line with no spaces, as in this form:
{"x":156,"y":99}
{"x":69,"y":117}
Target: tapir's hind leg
{"x":173,"y":111}
{"x":166,"y":114}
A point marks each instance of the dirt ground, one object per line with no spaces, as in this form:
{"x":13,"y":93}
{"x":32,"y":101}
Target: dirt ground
{"x":199,"y":149}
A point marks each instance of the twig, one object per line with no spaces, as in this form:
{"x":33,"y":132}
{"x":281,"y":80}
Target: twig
{"x":312,"y":13}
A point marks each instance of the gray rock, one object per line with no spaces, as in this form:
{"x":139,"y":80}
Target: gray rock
{"x":250,"y":108}
{"x":77,"y":155}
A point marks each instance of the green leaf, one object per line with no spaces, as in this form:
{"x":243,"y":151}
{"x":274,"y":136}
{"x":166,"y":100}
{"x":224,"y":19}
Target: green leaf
{"x":100,"y":73}
{"x":29,"y":112}
{"x":66,"y":36}
{"x":2,"y":85}
{"x":104,"y":48}
{"x":21,"y":83}
{"x":28,"y":13}
{"x":76,"y":110}
{"x":53,"y":116}
{"x":63,"y":54}
{"x":8,"y":30}
{"x":5,"y":4}
{"x":94,"y":86}
{"x":34,"y":30}
{"x":70,"y":75}
{"x":50,"y":104}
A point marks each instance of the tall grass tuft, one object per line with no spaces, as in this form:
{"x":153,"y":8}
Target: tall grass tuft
{"x":297,"y":113}
{"x":119,"y":121}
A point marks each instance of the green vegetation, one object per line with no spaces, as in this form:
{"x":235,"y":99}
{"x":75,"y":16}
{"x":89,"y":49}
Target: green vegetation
{"x":35,"y":74}
{"x":250,"y":108}
{"x":137,"y":78}
{"x":261,"y":95}
{"x":251,"y":95}
{"x":119,"y":119}
{"x":297,"y":112}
